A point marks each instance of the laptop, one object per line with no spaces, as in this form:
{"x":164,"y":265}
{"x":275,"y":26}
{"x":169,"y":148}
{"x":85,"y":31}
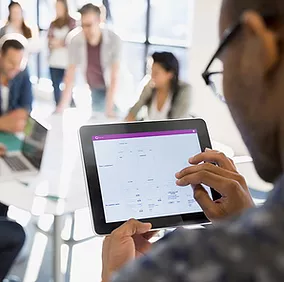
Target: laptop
{"x":26,"y":162}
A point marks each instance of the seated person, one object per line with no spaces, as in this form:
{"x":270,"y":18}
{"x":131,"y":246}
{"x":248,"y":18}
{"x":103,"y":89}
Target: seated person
{"x":15,"y":87}
{"x":12,"y":238}
{"x":15,"y":92}
{"x":165,"y":96}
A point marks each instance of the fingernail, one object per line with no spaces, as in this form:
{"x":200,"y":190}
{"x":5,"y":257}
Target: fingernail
{"x":191,"y":160}
{"x":147,"y":226}
{"x":208,"y":149}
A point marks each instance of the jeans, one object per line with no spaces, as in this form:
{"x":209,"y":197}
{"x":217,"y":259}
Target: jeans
{"x":57,"y":76}
{"x":98,"y":99}
{"x":12,"y":239}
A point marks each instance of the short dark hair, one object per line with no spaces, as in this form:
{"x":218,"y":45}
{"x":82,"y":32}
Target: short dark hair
{"x":11,"y":44}
{"x":90,"y":8}
{"x":235,"y":8}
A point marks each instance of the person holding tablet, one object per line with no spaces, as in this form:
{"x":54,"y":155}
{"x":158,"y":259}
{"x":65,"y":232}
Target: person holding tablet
{"x":165,"y":96}
{"x":248,"y":247}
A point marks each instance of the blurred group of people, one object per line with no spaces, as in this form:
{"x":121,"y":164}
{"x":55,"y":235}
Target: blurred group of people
{"x":92,"y":50}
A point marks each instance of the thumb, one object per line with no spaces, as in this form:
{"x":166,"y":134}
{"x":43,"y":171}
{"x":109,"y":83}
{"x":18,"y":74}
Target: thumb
{"x":132,"y":227}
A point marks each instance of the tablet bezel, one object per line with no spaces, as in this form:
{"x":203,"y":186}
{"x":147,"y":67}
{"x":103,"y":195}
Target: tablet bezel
{"x":91,"y":173}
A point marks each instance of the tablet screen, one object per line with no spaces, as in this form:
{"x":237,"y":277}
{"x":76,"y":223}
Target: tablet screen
{"x":137,"y":173}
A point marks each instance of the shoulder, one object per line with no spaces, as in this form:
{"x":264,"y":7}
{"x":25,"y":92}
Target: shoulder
{"x":3,"y":27}
{"x":184,"y":91}
{"x":22,"y":77}
{"x":2,"y":30}
{"x":23,"y":74}
{"x":110,"y":34}
{"x":75,"y":37}
{"x":72,"y":21}
{"x":147,"y":90}
{"x":184,"y":86}
{"x":51,"y":26}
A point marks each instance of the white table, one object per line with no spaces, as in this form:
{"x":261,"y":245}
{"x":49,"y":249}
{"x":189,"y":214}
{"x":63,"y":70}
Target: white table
{"x":61,"y":176}
{"x":59,"y":188}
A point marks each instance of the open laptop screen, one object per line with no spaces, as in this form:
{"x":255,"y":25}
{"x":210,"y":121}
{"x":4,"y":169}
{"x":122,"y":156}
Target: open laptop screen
{"x":34,"y":142}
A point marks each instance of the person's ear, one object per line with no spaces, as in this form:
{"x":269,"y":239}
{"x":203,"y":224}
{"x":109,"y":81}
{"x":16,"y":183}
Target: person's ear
{"x":266,"y":37}
{"x":170,"y":75}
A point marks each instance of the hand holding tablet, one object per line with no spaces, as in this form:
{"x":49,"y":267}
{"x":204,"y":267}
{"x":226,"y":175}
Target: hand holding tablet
{"x":131,"y":173}
{"x":126,"y":241}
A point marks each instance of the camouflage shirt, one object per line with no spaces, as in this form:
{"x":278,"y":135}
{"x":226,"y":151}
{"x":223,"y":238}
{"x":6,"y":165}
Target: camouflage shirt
{"x":249,"y":248}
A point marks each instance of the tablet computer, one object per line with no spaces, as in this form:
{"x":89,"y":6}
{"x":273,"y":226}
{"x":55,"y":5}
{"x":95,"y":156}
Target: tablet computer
{"x":130,"y":172}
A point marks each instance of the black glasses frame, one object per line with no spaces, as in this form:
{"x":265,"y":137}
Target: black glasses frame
{"x":229,"y":35}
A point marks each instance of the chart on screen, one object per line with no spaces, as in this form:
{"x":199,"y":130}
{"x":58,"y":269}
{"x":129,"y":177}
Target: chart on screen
{"x":137,"y":174}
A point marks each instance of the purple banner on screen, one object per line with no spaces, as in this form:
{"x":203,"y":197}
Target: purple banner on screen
{"x":143,"y":134}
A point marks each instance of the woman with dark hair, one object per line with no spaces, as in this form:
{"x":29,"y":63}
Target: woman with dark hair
{"x":58,"y":58}
{"x":165,"y":96}
{"x":16,"y":22}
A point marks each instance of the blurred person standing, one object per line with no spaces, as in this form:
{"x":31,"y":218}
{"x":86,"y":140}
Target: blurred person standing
{"x":16,"y":22}
{"x":58,"y":58}
{"x":96,"y":50}
{"x":165,"y":96}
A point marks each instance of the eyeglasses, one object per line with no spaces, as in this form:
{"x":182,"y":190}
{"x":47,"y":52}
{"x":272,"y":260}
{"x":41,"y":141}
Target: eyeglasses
{"x":214,"y":78}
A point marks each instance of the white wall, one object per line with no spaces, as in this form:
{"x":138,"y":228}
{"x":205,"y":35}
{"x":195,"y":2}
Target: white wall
{"x":204,"y":43}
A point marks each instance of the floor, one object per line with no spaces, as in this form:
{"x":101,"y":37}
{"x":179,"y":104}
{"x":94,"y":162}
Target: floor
{"x":35,"y":264}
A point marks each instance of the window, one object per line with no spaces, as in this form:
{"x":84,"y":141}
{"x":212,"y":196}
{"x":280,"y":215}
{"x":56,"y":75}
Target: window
{"x":157,"y":25}
{"x":81,"y":3}
{"x":129,"y":19}
{"x":170,"y":22}
{"x":132,"y":58}
{"x":45,"y":17}
{"x":30,"y":11}
{"x":145,"y":26}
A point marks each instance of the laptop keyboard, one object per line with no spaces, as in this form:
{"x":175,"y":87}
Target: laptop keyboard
{"x":15,"y":163}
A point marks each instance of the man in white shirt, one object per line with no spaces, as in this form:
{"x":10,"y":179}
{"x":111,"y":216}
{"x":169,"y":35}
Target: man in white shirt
{"x":15,"y":87}
{"x":96,"y":51}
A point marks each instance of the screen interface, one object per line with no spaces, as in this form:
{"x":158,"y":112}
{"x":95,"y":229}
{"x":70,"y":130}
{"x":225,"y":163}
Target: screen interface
{"x":33,"y":146}
{"x":137,"y":173}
